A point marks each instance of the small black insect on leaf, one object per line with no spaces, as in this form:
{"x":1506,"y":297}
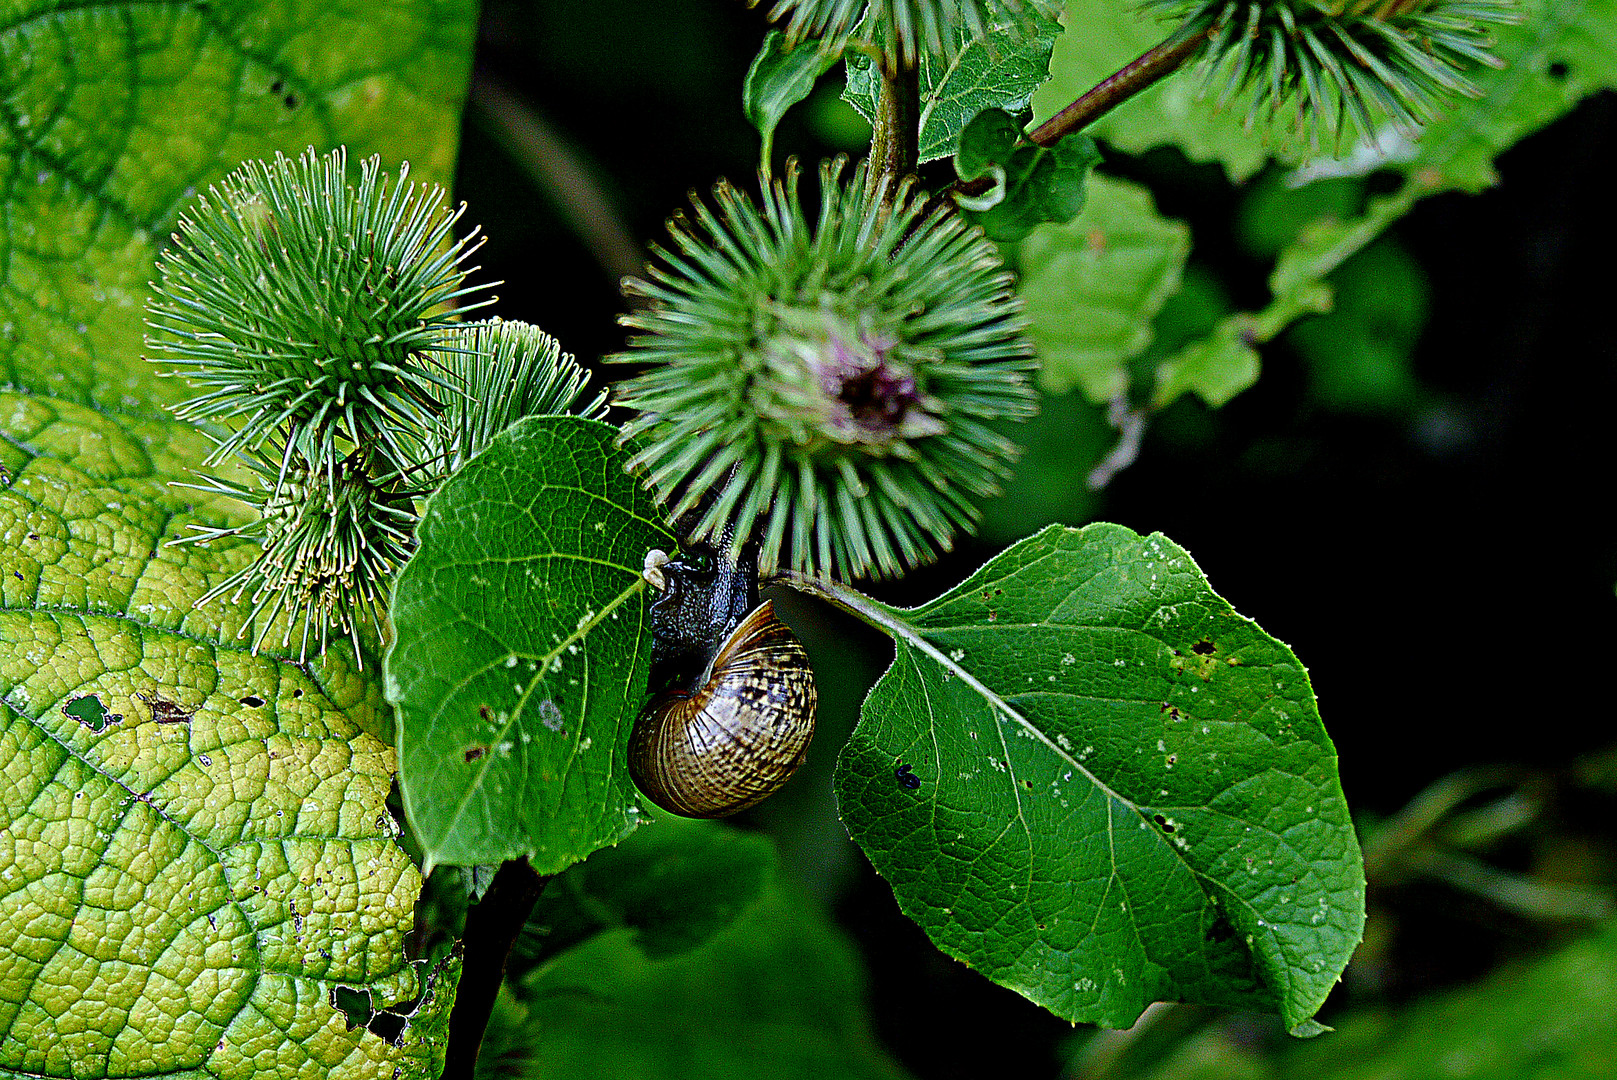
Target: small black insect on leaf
{"x":906,"y":779}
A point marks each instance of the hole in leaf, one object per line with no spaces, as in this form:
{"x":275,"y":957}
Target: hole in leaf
{"x":1164,"y":824}
{"x":89,"y":711}
{"x":253,"y":701}
{"x":1559,"y":71}
{"x":355,"y":1005}
{"x":1203,"y":648}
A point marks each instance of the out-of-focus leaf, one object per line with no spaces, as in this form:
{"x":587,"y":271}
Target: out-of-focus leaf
{"x":1124,"y":795}
{"x":1358,"y":353}
{"x":997,"y":71}
{"x":1562,"y":51}
{"x":779,"y":78}
{"x":522,"y":650}
{"x":1544,"y":1020}
{"x":777,"y":995}
{"x":1093,"y":285}
{"x":676,"y":884}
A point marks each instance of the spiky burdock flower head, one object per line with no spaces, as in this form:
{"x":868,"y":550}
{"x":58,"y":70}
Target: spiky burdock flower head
{"x":502,"y":370}
{"x":1336,"y":59}
{"x":903,"y":30}
{"x":332,"y":538}
{"x":301,"y":306}
{"x":827,"y":388}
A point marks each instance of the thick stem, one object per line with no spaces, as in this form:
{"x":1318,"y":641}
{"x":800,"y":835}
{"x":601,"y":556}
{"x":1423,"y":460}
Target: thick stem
{"x":492,"y":926}
{"x":895,"y":147}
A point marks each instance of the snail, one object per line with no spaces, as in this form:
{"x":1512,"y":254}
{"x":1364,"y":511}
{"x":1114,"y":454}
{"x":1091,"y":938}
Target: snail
{"x":732,"y":706}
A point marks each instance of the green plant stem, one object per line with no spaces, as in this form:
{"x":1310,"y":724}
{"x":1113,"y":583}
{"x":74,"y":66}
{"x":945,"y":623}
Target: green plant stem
{"x":492,"y":926}
{"x":895,"y":147}
{"x":1139,"y":74}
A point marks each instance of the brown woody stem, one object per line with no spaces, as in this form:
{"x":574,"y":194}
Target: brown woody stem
{"x":1139,"y":74}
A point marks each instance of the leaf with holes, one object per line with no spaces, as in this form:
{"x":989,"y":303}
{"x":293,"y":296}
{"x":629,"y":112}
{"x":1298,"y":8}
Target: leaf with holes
{"x":195,"y":848}
{"x":1090,"y":779}
{"x":522,"y":650}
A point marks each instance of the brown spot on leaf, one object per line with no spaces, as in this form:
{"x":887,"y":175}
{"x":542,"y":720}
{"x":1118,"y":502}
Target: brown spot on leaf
{"x":165,"y":711}
{"x":475,"y":752}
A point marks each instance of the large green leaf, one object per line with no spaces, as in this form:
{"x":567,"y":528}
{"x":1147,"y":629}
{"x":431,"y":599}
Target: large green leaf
{"x":996,"y":71}
{"x":522,"y":650}
{"x":115,"y":116}
{"x":195,"y":851}
{"x":195,"y":848}
{"x":1125,"y":792}
{"x":1093,"y":285}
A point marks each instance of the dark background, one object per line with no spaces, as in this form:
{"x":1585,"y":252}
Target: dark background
{"x":1411,"y":496}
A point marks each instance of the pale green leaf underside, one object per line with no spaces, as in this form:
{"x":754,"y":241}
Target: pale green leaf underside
{"x":1126,"y":792}
{"x":1093,"y":285}
{"x":194,"y":841}
{"x":115,"y":115}
{"x":998,"y":71}
{"x":522,"y":650}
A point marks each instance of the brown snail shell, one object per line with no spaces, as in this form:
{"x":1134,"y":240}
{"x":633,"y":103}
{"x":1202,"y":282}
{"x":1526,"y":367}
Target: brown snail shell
{"x":728,"y":722}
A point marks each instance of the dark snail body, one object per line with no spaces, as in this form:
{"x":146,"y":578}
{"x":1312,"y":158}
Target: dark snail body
{"x":732,"y":707}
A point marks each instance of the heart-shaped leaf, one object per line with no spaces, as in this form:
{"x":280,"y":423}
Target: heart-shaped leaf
{"x":523,"y":648}
{"x":1089,"y":778}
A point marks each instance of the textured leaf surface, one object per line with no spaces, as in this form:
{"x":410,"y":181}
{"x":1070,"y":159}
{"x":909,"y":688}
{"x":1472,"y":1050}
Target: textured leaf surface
{"x":1093,"y":285}
{"x":523,"y":648}
{"x":997,"y":71}
{"x":1126,"y":793}
{"x":1104,"y":35}
{"x":778,"y":993}
{"x":115,"y":116}
{"x":194,"y":844}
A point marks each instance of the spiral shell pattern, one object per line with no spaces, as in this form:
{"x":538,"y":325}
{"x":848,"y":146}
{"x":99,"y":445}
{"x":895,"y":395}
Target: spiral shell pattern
{"x":739,"y":736}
